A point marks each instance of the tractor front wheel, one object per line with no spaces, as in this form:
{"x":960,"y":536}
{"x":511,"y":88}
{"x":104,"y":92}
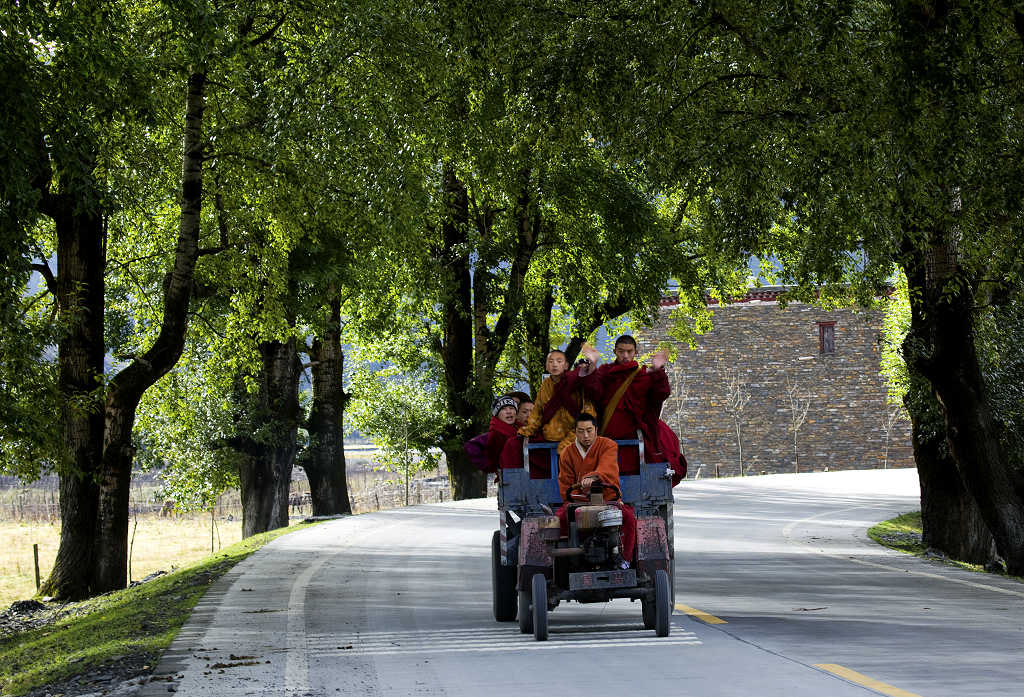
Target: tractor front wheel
{"x":540,"y":607}
{"x":662,"y":604}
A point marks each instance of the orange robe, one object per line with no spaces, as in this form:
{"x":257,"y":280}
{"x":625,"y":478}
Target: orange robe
{"x":559,"y":401}
{"x":601,"y":459}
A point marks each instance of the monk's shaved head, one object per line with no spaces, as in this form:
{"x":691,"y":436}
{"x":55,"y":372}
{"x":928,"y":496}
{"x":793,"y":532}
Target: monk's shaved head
{"x":556,"y":363}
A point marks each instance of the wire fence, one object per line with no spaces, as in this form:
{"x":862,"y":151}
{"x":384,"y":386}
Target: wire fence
{"x":40,"y":502}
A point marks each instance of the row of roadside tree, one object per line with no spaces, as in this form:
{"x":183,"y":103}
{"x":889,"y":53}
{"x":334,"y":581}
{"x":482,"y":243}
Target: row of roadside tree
{"x":405,"y":204}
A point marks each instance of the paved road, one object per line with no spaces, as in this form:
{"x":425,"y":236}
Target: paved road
{"x":779,"y":593}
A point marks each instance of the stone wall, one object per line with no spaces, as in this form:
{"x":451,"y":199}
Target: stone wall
{"x":760,"y":368}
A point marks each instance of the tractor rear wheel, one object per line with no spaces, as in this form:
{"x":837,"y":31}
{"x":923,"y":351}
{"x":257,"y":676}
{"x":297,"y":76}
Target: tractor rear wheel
{"x":648,"y":607}
{"x":503,"y":584}
{"x":525,"y":613}
{"x":672,"y":579}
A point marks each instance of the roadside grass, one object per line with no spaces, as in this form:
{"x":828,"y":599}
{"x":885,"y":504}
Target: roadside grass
{"x":134,"y":622}
{"x":160,"y":543}
{"x":902,"y":533}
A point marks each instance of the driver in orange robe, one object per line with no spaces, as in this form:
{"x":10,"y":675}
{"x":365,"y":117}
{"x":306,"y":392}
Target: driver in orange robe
{"x":589,"y":459}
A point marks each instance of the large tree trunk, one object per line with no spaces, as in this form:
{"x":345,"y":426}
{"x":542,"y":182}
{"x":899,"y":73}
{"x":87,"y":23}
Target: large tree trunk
{"x":465,"y":480}
{"x":950,"y":518}
{"x":111,"y":544}
{"x":942,"y":342}
{"x":457,"y":343}
{"x":490,"y":343}
{"x":324,"y":460}
{"x":469,"y":349}
{"x":126,"y":389}
{"x":266,"y":469}
{"x":80,"y":352}
{"x":941,"y":348}
{"x":973,"y":433}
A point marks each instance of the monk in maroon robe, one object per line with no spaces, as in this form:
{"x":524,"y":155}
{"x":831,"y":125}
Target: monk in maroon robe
{"x":637,"y":408}
{"x":502,"y":427}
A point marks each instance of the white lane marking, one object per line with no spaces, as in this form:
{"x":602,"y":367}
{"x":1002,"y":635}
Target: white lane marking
{"x":296,"y":670}
{"x":926,"y":574}
{"x":787,"y":532}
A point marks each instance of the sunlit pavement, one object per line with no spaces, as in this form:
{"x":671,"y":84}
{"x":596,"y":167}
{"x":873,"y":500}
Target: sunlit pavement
{"x":792,"y":600}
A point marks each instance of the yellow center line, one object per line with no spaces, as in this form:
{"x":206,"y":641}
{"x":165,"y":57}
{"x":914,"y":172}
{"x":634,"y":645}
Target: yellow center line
{"x":859,"y":679}
{"x":699,"y":614}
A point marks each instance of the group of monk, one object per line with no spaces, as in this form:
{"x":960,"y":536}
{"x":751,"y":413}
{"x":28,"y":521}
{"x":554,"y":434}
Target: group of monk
{"x":585,"y":410}
{"x":623,"y":397}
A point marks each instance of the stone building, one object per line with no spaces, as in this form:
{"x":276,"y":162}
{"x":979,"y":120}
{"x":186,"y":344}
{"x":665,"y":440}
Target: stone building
{"x":786,"y":389}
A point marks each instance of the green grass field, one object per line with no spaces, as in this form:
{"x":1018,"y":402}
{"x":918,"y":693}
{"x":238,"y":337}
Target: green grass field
{"x":161,"y":543}
{"x":140,"y":621}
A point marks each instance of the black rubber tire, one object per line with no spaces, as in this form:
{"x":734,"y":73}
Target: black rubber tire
{"x":672,"y":579}
{"x":503,"y":584}
{"x":647,"y":607}
{"x":525,"y":613}
{"x":662,"y":603}
{"x":540,"y":607}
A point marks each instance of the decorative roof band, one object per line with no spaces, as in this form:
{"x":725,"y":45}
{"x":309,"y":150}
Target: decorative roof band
{"x":764,"y":294}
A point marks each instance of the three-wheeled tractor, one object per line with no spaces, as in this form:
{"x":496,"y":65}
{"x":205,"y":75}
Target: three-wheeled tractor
{"x":535,"y":567}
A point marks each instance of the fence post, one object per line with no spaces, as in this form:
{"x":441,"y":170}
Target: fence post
{"x":35,"y":556}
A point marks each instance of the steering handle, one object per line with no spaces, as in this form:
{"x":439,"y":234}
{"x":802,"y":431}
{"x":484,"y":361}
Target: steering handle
{"x":598,"y":484}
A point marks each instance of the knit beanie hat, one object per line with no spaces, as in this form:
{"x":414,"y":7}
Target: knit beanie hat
{"x":502,"y":402}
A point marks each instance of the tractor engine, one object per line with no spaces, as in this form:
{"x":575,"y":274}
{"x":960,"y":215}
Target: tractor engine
{"x":598,"y":530}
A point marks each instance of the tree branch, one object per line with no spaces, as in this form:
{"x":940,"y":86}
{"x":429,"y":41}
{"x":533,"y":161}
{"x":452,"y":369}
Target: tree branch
{"x":126,"y":264}
{"x":266,"y":164}
{"x":47,"y":273}
{"x":35,"y":301}
{"x":267,"y":35}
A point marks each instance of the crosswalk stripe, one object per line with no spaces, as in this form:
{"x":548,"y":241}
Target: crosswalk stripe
{"x":553,"y":643}
{"x":433,"y":638}
{"x":433,"y":634}
{"x":485,"y":641}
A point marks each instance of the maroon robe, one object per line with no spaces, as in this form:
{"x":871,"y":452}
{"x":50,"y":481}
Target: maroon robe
{"x":639,"y":408}
{"x":670,"y":449}
{"x":497,"y":434}
{"x":512,"y":458}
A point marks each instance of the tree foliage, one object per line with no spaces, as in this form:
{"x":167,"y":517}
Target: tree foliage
{"x":849,"y":138}
{"x":461,"y":204}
